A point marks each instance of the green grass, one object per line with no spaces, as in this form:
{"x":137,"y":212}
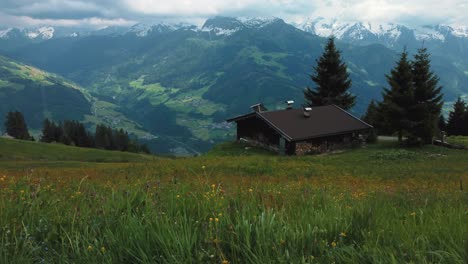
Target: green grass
{"x":377,"y":204}
{"x":18,"y":150}
{"x":458,"y":140}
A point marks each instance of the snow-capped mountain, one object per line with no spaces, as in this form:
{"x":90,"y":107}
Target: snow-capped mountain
{"x":143,"y":30}
{"x":42,"y":33}
{"x":389,"y":34}
{"x":225,"y":26}
{"x":359,"y":33}
{"x":4,"y":32}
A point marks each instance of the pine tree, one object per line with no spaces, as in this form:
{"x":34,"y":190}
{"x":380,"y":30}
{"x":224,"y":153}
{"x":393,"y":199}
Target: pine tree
{"x":371,"y":115}
{"x":15,"y":126}
{"x":48,"y":131}
{"x":428,"y":99}
{"x":455,"y":125}
{"x":399,"y":98}
{"x":465,"y":122}
{"x":332,"y":80}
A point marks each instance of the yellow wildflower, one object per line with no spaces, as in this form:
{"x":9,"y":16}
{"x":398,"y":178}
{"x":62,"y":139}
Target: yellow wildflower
{"x":90,"y":248}
{"x":216,"y":219}
{"x":225,"y":262}
{"x":343,"y":234}
{"x":333,"y":244}
{"x":250,"y":190}
{"x":211,"y":219}
{"x":103,"y":249}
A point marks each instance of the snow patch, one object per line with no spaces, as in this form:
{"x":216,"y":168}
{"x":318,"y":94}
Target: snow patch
{"x":42,"y":32}
{"x":141,"y":30}
{"x":257,"y":22}
{"x":460,"y":31}
{"x":4,"y":33}
{"x":220,"y":31}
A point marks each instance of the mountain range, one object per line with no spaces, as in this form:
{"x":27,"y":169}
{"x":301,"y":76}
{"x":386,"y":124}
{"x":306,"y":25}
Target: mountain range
{"x":177,"y":83}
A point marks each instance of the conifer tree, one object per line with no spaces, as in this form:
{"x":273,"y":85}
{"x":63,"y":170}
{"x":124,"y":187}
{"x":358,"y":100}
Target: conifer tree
{"x":371,"y":115}
{"x":456,"y":118}
{"x":15,"y":126}
{"x":332,"y":80}
{"x":398,"y":99}
{"x":48,"y":131}
{"x":465,"y":122}
{"x":428,"y":99}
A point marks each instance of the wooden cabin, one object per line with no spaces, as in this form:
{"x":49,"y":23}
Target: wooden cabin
{"x":301,"y":131}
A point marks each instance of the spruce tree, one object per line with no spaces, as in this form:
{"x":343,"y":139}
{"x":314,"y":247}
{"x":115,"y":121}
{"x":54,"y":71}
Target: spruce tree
{"x":456,"y":118}
{"x":428,"y":99}
{"x":15,"y":126}
{"x":332,"y":80}
{"x":465,"y":122}
{"x":398,"y":99}
{"x":371,"y":115}
{"x":48,"y":131}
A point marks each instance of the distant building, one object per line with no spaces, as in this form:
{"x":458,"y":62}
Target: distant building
{"x":301,"y":131}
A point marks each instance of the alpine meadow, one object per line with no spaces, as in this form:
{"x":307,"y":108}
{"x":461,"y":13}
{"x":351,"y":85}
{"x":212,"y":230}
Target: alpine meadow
{"x":233,"y":131}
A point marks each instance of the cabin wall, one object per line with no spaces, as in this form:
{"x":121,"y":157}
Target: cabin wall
{"x":257,"y":130}
{"x":325,"y":144}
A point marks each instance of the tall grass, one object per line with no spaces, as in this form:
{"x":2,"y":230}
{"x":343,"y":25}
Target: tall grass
{"x":196,"y":221}
{"x":372,"y":205}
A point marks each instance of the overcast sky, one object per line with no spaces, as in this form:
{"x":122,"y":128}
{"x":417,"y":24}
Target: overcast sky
{"x":101,"y":13}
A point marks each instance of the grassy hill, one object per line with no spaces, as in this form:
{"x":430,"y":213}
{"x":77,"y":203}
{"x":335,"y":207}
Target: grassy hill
{"x":376,"y":204}
{"x":26,"y":151}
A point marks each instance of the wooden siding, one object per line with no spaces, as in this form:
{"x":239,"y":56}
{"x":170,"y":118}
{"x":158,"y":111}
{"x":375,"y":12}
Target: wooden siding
{"x":258,"y":130}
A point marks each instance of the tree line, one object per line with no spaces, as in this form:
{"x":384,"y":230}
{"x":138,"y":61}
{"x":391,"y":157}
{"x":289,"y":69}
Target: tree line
{"x":71,"y":132}
{"x":411,"y":105}
{"x":457,"y":122}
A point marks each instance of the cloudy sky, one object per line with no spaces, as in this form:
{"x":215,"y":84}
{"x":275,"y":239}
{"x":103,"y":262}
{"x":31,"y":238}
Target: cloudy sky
{"x":101,"y":13}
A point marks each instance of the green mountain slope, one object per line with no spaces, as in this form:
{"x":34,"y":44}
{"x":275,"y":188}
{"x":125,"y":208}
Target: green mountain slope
{"x":39,"y":95}
{"x":24,"y":151}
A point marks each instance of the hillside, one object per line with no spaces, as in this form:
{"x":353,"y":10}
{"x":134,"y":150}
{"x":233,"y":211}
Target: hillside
{"x":26,"y":151}
{"x":360,"y":206}
{"x":39,"y":94}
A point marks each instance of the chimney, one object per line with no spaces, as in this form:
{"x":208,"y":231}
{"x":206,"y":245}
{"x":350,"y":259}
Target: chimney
{"x":258,"y":107}
{"x":290,"y":104}
{"x":307,"y":111}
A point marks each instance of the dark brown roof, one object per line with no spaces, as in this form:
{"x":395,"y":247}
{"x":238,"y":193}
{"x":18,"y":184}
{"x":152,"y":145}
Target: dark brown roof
{"x":323,"y":121}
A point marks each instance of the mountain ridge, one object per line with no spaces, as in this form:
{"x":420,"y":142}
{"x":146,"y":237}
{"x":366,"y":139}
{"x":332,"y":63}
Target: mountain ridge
{"x":318,"y":25}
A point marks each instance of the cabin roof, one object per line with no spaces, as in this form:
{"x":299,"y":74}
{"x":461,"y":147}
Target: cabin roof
{"x":322,"y":121}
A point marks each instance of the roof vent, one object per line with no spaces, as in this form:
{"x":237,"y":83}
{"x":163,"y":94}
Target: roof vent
{"x":290,"y":104}
{"x":258,"y":107}
{"x":307,"y":111}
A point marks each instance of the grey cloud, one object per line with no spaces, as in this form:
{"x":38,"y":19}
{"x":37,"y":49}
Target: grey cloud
{"x":74,"y":11}
{"x":66,"y":9}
